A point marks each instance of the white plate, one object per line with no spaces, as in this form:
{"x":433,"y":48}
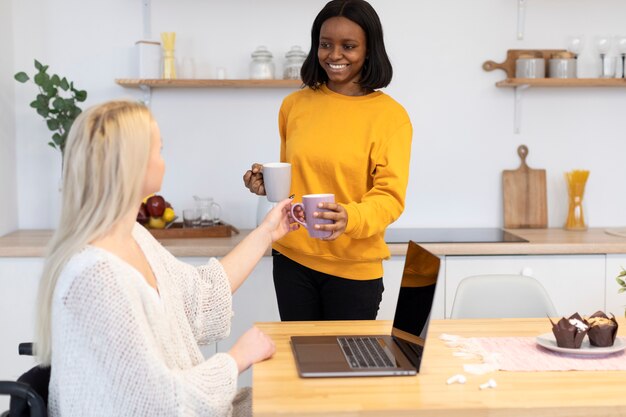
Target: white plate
{"x":548,"y":341}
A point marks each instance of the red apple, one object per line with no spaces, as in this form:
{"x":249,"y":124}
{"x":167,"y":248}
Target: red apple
{"x":155,"y":206}
{"x":142,"y":214}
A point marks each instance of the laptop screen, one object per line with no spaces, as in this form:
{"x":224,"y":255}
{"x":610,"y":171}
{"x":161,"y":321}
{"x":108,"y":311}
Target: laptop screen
{"x":417,"y":292}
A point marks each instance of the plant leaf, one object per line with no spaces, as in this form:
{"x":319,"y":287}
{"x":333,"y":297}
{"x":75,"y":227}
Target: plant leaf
{"x":55,"y":80}
{"x":53,"y":124}
{"x":81,"y":95}
{"x":42,"y":79}
{"x":621,"y":290}
{"x":75,"y":112}
{"x":64,"y":84}
{"x":58,"y":103}
{"x":620,"y":282}
{"x":22,"y":77}
{"x":51,"y":90}
{"x":67,"y":124}
{"x":43,"y":112}
{"x":38,"y":65}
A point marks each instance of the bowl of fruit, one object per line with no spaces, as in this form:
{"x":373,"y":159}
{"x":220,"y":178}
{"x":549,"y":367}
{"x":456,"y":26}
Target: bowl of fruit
{"x":156,"y":213}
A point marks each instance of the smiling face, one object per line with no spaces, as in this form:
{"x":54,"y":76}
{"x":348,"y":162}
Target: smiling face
{"x":342,"y":51}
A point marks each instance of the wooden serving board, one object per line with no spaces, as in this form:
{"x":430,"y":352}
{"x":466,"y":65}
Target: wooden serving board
{"x":177,"y":231}
{"x":524,"y":193}
{"x":508,"y":65}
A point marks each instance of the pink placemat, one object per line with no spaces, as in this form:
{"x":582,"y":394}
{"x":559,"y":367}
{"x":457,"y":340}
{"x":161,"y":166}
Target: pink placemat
{"x":523,"y":354}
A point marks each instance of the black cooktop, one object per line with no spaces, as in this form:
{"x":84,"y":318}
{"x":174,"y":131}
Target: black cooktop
{"x":450,"y":235}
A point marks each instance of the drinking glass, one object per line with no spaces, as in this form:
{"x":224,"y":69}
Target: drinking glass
{"x":191,"y":217}
{"x":603,"y":45}
{"x":620,"y":41}
{"x":575,"y":44}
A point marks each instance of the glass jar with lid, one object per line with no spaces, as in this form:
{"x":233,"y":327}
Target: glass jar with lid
{"x":262,"y":66}
{"x":295,"y":58}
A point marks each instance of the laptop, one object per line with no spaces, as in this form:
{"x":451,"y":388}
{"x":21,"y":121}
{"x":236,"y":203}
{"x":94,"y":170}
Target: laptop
{"x":379,"y":355}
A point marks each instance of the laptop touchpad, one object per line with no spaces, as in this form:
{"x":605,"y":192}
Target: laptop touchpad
{"x":319,"y":353}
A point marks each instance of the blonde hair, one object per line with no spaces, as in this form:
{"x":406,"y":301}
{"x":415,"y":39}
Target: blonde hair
{"x":105,"y":161}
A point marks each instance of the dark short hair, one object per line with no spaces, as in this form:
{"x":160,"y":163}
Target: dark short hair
{"x":377,"y":70}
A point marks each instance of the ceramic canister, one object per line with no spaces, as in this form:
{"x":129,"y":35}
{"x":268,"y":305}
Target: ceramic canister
{"x":148,"y":59}
{"x":562,"y":65}
{"x":530,"y":67}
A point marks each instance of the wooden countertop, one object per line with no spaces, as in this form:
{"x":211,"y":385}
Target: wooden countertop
{"x":32,"y":243}
{"x":278,"y":391}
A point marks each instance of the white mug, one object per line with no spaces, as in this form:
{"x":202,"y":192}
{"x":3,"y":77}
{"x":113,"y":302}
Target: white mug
{"x":277,"y":180}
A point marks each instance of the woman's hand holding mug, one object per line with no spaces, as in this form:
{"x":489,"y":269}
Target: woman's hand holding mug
{"x":253,"y":179}
{"x":338,"y":214}
{"x":272,"y":179}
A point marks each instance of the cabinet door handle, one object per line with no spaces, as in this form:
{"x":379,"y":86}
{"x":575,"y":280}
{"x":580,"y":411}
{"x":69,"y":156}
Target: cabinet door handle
{"x":527,"y":271}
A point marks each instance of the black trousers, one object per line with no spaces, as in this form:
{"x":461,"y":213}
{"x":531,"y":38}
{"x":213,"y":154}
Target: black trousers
{"x":306,"y":294}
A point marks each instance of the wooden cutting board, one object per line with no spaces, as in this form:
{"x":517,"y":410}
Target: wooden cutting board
{"x":524,"y":192}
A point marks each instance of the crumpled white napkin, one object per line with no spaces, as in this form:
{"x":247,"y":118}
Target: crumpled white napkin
{"x":466,"y":348}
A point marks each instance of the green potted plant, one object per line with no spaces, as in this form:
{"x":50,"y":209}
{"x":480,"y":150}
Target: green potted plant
{"x":56,"y":102}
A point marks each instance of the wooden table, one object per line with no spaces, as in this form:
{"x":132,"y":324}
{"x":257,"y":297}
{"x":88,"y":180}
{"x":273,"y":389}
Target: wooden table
{"x":277,"y":389}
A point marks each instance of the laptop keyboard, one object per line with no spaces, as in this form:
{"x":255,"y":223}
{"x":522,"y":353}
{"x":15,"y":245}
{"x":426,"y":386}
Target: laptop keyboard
{"x":364,"y":352}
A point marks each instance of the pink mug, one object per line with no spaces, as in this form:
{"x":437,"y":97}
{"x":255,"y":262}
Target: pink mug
{"x":309,"y":205}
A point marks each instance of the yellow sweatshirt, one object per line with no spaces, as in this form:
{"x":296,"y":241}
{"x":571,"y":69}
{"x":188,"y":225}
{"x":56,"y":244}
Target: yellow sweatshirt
{"x":357,"y":148}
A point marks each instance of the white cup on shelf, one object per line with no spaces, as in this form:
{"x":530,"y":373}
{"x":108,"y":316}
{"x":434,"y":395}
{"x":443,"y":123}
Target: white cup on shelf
{"x":187,"y":68}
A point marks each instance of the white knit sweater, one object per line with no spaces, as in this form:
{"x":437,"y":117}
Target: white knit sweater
{"x":119,"y":348}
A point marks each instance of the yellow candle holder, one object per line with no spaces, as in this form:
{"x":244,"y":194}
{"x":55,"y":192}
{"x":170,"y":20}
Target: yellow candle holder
{"x":168,"y":39}
{"x":576,"y":181}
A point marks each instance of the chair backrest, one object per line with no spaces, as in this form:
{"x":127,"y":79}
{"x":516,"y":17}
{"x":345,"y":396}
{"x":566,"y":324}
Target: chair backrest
{"x":29,"y":394}
{"x":501,"y":296}
{"x":26,"y":400}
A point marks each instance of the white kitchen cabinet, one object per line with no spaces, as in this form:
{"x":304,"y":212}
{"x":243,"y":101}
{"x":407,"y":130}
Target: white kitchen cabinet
{"x":574,"y":282}
{"x":615,"y":303}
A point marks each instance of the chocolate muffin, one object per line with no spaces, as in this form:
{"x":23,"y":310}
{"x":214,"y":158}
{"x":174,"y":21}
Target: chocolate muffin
{"x":602,"y":329}
{"x":570,"y":332}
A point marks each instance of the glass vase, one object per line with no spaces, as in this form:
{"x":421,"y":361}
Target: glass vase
{"x":168,"y":40}
{"x":576,"y":181}
{"x":169,"y":66}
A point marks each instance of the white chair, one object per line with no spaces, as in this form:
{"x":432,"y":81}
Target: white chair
{"x":501,"y":296}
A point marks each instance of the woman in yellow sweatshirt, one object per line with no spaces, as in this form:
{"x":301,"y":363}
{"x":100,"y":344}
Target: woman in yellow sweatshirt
{"x":341,"y":136}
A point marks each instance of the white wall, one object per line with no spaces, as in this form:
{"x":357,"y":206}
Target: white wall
{"x":8,"y":183}
{"x":463,"y":124}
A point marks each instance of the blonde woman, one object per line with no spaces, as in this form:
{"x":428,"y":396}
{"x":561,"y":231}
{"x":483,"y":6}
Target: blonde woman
{"x":120,"y":318}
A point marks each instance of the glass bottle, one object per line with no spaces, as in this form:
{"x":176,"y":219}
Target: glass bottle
{"x":295,"y":58}
{"x":262,"y":66}
{"x":576,"y":181}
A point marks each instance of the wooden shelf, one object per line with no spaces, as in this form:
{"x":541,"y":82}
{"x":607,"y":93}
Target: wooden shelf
{"x":562,"y":82}
{"x":204,"y":83}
